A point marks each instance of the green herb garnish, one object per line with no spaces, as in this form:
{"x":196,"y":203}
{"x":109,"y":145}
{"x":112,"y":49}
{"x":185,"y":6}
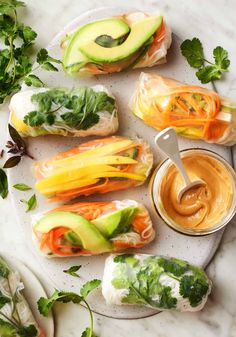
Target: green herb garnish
{"x":31,"y":203}
{"x":73,"y":271}
{"x":3,"y":184}
{"x":16,"y":146}
{"x":22,"y":187}
{"x":45,"y":305}
{"x":15,"y":60}
{"x":193,"y":51}
{"x":77,"y":108}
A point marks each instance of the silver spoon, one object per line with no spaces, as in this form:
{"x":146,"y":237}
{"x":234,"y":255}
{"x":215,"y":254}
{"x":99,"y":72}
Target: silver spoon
{"x":167,"y":142}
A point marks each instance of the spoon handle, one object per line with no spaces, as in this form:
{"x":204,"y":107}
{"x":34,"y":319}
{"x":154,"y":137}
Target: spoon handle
{"x":167,"y":142}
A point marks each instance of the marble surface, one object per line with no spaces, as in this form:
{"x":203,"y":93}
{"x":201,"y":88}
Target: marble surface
{"x":214,"y":24}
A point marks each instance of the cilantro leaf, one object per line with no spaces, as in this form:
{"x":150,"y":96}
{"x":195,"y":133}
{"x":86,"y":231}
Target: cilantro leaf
{"x":45,"y":304}
{"x":31,"y":203}
{"x":221,"y":58}
{"x":88,"y":333}
{"x":46,"y":61}
{"x":34,"y":118}
{"x":193,"y":51}
{"x":208,"y":73}
{"x":3,"y":184}
{"x":173,"y":266}
{"x":33,"y":80}
{"x":193,"y":289}
{"x":73,"y":271}
{"x":88,"y":287}
{"x":27,"y":331}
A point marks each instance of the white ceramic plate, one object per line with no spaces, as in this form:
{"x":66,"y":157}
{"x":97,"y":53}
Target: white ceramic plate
{"x":32,"y":292}
{"x":196,"y":250}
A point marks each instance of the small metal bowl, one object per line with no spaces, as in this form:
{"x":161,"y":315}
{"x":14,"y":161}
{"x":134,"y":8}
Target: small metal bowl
{"x":154,"y":194}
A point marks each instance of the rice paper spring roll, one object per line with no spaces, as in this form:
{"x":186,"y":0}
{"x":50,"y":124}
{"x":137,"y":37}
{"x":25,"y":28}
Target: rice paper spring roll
{"x":15,"y":314}
{"x":195,"y":112}
{"x":92,"y":228}
{"x":79,"y":112}
{"x":128,"y":41}
{"x":98,"y":166}
{"x":159,"y":282}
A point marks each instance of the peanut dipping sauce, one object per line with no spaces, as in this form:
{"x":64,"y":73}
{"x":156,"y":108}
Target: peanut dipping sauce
{"x":203,"y":206}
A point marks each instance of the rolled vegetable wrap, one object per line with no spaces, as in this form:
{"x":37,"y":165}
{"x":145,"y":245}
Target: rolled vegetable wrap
{"x":193,"y":111}
{"x":97,"y":166}
{"x":76,"y":112}
{"x":159,"y":282}
{"x":132,"y":40}
{"x":92,"y":228}
{"x":16,"y":319}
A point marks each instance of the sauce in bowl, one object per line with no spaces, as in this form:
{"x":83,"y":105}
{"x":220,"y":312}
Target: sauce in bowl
{"x":203,"y":208}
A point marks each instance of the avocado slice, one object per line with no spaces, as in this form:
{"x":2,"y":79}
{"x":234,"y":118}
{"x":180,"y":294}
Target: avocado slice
{"x":115,"y":223}
{"x":89,"y":235}
{"x":141,"y":32}
{"x":73,"y":59}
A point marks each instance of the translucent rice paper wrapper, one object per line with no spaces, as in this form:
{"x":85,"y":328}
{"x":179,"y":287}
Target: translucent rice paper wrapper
{"x":193,"y":111}
{"x":139,"y":233}
{"x":159,"y":282}
{"x":21,"y":105}
{"x":147,"y":56}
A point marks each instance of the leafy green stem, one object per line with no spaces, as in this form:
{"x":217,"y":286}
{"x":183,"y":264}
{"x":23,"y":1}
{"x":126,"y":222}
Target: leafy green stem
{"x":91,"y":318}
{"x":9,"y":320}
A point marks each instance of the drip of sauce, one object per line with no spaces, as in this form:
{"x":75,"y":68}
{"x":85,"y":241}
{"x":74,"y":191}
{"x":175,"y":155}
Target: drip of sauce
{"x":201,"y":207}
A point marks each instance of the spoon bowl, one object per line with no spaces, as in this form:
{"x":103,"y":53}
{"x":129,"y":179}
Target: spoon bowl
{"x":167,"y":142}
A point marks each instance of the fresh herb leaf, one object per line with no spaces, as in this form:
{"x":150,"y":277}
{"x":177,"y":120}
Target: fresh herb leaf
{"x":33,"y":80}
{"x":15,"y":59}
{"x":27,"y":331}
{"x":221,"y":58}
{"x":81,"y":107}
{"x":122,"y":258}
{"x":88,"y":287}
{"x":22,"y":187}
{"x":73,"y":271}
{"x":3,"y":185}
{"x":88,"y":333}
{"x":31,"y":203}
{"x":3,"y":300}
{"x":34,"y":118}
{"x":193,"y":289}
{"x":12,"y":162}
{"x":17,"y":146}
{"x":15,"y":136}
{"x":45,"y":304}
{"x":44,"y":60}
{"x":193,"y":51}
{"x":4,"y":270}
{"x":6,"y":329}
{"x":167,"y":301}
{"x":208,"y":74}
{"x":173,"y":266}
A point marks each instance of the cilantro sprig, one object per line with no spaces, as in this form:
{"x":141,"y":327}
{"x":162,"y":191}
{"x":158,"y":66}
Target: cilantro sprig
{"x":77,"y":108}
{"x":15,"y":59}
{"x":192,"y":50}
{"x":45,"y":305}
